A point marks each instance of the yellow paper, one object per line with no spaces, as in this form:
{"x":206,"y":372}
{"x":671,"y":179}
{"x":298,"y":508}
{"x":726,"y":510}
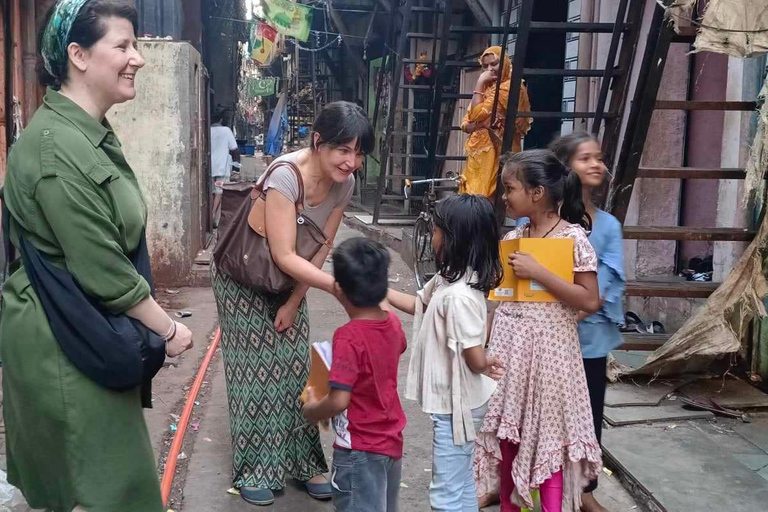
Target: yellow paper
{"x":555,"y":254}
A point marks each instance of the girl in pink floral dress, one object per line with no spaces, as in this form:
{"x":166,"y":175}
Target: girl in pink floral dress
{"x":540,"y":412}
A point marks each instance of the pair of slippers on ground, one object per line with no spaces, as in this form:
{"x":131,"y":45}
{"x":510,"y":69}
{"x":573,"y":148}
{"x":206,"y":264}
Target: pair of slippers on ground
{"x":633,"y":323}
{"x":699,"y":269}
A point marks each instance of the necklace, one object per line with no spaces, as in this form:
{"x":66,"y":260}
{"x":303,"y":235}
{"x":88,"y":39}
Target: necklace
{"x":548,"y":232}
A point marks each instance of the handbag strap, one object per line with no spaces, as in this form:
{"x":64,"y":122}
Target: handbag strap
{"x":299,"y":179}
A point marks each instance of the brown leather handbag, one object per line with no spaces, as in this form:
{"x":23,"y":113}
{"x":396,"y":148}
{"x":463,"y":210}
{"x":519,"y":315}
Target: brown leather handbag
{"x":242,"y":250}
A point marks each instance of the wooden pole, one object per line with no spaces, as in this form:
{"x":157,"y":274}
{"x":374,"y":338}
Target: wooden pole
{"x":17,"y":72}
{"x":29,"y":59}
{"x":3,"y":111}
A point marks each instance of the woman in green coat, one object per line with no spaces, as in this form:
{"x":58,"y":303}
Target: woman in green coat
{"x":71,"y":443}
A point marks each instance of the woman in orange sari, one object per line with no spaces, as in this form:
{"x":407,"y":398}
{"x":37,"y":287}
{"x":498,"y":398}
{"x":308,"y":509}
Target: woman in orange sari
{"x":484,"y":143}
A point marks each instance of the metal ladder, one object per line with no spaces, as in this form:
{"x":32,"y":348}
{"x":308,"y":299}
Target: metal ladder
{"x":608,"y":112}
{"x":629,"y":169}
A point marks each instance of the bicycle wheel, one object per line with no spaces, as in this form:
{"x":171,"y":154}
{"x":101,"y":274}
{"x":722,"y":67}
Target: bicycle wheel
{"x":423,"y":256}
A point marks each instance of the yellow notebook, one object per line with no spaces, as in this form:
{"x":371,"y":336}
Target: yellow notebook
{"x":320,"y":370}
{"x":555,"y":254}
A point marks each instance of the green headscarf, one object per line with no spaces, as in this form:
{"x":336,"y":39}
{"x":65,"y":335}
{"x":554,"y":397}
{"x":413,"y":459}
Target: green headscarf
{"x":56,"y":35}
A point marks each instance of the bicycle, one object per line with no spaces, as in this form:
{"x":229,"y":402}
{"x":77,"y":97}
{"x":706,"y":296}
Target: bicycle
{"x":424,"y":265}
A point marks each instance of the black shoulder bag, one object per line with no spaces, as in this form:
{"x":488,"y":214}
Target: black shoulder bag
{"x":115,"y":351}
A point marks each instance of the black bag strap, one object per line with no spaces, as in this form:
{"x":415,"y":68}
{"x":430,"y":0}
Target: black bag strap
{"x":115,"y":351}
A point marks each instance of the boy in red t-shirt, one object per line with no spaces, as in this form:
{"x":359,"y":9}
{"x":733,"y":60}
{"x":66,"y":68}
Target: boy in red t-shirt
{"x":367,"y":416}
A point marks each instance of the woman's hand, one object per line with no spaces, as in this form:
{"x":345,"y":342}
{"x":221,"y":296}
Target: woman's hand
{"x":524,"y":265}
{"x":286,"y":315}
{"x":480,"y":125}
{"x":495,"y":367}
{"x":181,"y":342}
{"x":485,"y":79}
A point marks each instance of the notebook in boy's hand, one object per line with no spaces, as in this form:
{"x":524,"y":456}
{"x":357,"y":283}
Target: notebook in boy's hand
{"x":322,"y":355}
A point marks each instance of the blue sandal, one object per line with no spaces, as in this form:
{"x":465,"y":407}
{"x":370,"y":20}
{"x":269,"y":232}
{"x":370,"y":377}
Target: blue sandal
{"x":256,"y":496}
{"x":322,"y":492}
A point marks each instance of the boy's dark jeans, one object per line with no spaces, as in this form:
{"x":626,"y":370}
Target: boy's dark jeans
{"x":364,"y":481}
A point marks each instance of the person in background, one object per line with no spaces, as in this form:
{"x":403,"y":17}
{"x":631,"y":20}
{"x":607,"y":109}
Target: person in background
{"x":72,"y":444}
{"x":598,"y":333}
{"x":540,"y":411}
{"x":266,"y":335}
{"x":449,"y":370}
{"x":224,"y":151}
{"x":367,"y":415}
{"x":484,"y":143}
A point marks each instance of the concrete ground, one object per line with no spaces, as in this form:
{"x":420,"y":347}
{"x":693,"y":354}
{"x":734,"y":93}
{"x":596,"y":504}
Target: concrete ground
{"x":203,"y":474}
{"x":208,"y":476}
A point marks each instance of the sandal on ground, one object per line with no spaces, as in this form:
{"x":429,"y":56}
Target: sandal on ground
{"x":256,"y":496}
{"x":631,"y":321}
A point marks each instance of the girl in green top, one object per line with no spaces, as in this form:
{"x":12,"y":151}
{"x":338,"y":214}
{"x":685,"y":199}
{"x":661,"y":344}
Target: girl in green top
{"x":71,"y":443}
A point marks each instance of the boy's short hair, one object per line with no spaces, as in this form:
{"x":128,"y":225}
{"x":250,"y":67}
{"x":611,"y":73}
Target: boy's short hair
{"x":361,"y":267}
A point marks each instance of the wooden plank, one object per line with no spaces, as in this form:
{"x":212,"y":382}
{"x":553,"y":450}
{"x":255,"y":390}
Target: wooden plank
{"x":422,"y":35}
{"x":570,"y":72}
{"x":457,"y":96}
{"x":644,"y":342}
{"x":541,"y":26}
{"x":743,"y":106}
{"x":666,"y":412}
{"x":680,"y":289}
{"x":563,"y":115}
{"x":688,"y":233}
{"x":691,"y":173}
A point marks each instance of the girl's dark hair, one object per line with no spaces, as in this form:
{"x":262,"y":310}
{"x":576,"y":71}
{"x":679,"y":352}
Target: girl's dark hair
{"x":341,"y":122}
{"x":565,"y":147}
{"x":541,"y":168}
{"x":470,"y":241}
{"x":87,"y":29}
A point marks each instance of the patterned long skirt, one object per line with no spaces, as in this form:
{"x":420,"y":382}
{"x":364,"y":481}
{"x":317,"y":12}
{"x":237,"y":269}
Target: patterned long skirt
{"x":265,"y":372}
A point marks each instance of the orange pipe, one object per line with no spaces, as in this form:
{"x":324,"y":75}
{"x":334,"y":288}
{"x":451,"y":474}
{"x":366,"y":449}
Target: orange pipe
{"x":173,"y":455}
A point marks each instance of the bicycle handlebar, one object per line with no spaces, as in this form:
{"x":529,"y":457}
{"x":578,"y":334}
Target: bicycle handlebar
{"x":431,"y":180}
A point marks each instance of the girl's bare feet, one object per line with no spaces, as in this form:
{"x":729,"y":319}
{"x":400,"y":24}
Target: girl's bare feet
{"x":590,"y":504}
{"x":487,"y":500}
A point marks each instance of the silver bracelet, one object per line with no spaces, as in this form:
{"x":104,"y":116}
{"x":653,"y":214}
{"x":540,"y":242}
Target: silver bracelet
{"x":171,"y":332}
